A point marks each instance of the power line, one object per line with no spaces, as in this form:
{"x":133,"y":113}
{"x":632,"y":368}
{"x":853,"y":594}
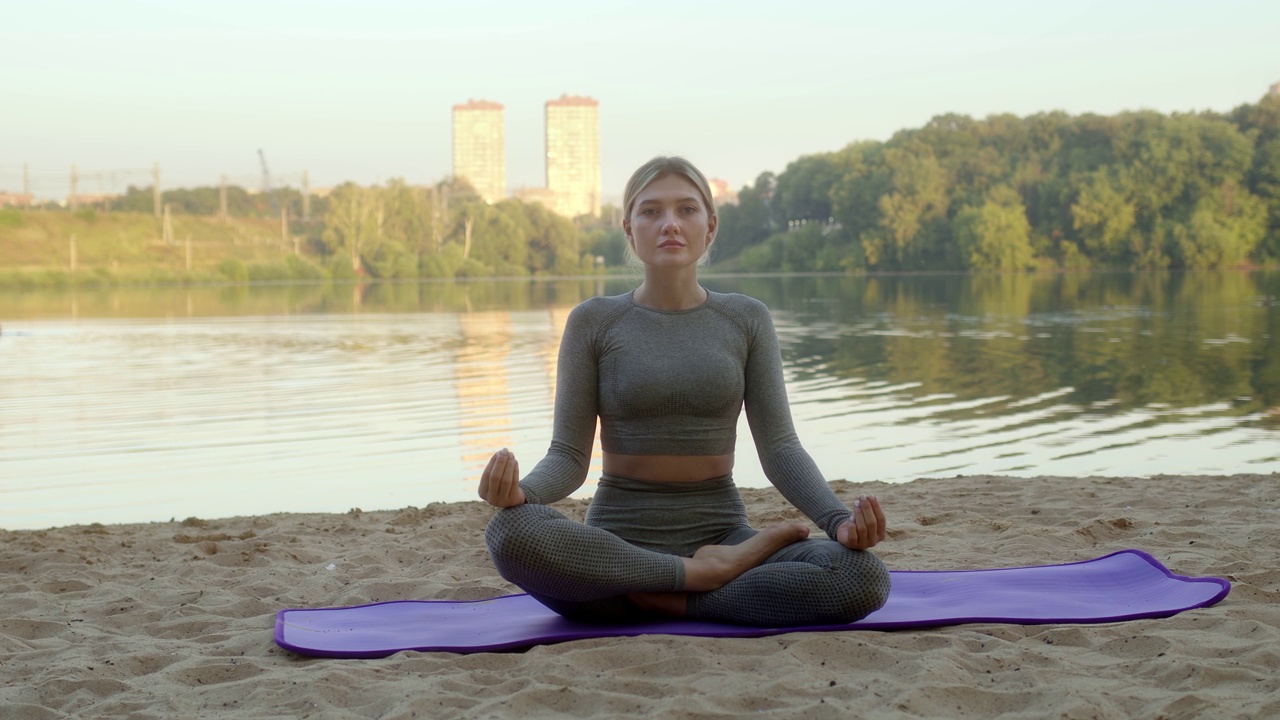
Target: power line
{"x":48,"y":184}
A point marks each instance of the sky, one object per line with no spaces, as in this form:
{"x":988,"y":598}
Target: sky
{"x":363,"y":91}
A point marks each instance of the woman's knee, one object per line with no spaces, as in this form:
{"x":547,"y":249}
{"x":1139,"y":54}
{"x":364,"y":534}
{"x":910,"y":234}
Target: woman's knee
{"x":511,"y":529}
{"x":869,"y":584}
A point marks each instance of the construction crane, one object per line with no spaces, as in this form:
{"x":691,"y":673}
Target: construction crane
{"x":266,"y":181}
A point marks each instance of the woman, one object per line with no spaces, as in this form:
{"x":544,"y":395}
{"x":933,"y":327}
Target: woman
{"x":667,"y":368}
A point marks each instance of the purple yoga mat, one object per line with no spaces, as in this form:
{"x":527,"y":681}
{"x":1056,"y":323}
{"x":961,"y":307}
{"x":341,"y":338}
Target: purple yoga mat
{"x":1126,"y":585}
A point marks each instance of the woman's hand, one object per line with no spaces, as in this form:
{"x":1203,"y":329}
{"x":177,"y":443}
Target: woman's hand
{"x":500,"y":481}
{"x":865,"y":527}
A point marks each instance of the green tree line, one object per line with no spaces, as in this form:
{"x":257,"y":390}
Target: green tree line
{"x":399,"y":230}
{"x":447,"y":230}
{"x":1137,"y":190}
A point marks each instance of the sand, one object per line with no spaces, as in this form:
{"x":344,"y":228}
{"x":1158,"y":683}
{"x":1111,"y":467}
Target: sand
{"x":169,"y":620}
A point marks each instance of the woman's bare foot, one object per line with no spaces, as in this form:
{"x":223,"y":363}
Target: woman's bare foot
{"x":713,"y":566}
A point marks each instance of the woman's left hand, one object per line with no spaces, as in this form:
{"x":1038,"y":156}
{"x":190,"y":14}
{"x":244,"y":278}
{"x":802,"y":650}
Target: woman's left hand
{"x":865,"y":527}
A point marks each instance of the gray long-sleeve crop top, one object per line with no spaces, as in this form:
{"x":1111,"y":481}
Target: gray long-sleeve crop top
{"x":674,"y":383}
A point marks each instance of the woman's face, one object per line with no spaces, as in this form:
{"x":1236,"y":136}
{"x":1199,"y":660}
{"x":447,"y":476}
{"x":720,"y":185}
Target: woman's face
{"x":669,"y":225}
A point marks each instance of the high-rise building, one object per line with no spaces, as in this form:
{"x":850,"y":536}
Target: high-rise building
{"x":722,"y":193}
{"x":573,"y":155}
{"x":479,"y":151}
{"x":1275,"y":89}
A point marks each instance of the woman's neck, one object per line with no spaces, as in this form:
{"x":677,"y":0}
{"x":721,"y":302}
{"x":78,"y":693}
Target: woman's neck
{"x":665,"y":291}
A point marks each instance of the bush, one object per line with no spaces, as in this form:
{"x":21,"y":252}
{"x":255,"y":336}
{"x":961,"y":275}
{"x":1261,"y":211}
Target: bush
{"x":11,"y":218}
{"x":268,"y":272}
{"x":472,"y":268}
{"x":16,"y":280}
{"x":53,"y":279}
{"x":444,"y":264}
{"x":300,"y":269}
{"x":233,"y":270}
{"x":390,"y":263}
{"x":506,"y":269}
{"x":340,"y":268}
{"x":96,"y":278}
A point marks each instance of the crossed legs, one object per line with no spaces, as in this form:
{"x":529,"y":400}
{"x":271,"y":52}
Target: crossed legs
{"x":773,"y":577}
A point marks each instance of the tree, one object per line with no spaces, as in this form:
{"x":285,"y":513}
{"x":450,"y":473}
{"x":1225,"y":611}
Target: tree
{"x":353,"y":223}
{"x":912,"y":214}
{"x":1223,"y":230}
{"x":1264,"y":182}
{"x":1103,"y":218}
{"x":553,"y":241}
{"x":994,"y":236}
{"x":409,"y":220}
{"x":750,"y":221}
{"x":804,"y":188}
{"x":499,"y":236}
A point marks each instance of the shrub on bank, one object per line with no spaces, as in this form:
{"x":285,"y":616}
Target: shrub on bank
{"x":234,"y":270}
{"x":340,"y":268}
{"x":300,"y":269}
{"x":11,"y":218}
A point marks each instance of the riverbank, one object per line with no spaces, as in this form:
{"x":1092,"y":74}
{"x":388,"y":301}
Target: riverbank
{"x":174,"y":619}
{"x":90,"y":248}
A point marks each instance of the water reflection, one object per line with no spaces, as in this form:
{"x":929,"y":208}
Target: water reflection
{"x":144,"y":404}
{"x":484,"y":410}
{"x":300,"y":299}
{"x":1073,"y":374}
{"x":1104,"y":343}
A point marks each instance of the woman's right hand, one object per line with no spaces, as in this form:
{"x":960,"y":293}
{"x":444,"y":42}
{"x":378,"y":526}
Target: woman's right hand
{"x":865,"y":527}
{"x":500,"y":481}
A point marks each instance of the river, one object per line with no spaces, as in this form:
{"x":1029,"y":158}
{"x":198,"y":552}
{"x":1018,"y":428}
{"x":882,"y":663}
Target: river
{"x":146,"y":404}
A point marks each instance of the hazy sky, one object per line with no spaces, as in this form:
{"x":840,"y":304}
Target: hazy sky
{"x":363,"y":90}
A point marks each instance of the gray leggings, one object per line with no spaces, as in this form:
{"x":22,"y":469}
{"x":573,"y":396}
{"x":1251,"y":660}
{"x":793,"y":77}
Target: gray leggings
{"x":634,"y":536}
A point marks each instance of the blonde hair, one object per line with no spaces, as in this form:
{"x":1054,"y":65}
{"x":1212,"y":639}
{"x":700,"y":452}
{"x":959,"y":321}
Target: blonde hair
{"x":657,"y":168}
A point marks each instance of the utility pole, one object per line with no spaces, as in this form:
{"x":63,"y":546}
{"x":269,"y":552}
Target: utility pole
{"x":155,"y":188}
{"x":222,"y":199}
{"x":166,"y":228}
{"x":437,"y":220}
{"x":306,"y":196}
{"x":73,"y":201}
{"x":73,"y":253}
{"x":445,"y":191}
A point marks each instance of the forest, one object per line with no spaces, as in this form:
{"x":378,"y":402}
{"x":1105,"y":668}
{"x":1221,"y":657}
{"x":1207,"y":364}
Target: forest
{"x":1137,"y":190}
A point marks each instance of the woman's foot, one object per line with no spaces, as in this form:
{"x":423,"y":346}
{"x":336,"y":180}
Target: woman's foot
{"x":714,"y":566}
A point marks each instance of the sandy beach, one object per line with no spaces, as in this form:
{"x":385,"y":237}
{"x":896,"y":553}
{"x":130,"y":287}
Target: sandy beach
{"x":167,"y":620}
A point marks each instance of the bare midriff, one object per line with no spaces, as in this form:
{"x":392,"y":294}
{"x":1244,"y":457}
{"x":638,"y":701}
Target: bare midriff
{"x":668,"y":468}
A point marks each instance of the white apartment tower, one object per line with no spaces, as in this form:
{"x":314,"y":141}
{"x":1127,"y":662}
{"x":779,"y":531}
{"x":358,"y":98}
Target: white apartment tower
{"x":479,"y":151}
{"x":573,"y":155}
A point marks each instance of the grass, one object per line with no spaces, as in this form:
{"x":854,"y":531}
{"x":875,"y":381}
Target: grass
{"x":128,"y":248}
